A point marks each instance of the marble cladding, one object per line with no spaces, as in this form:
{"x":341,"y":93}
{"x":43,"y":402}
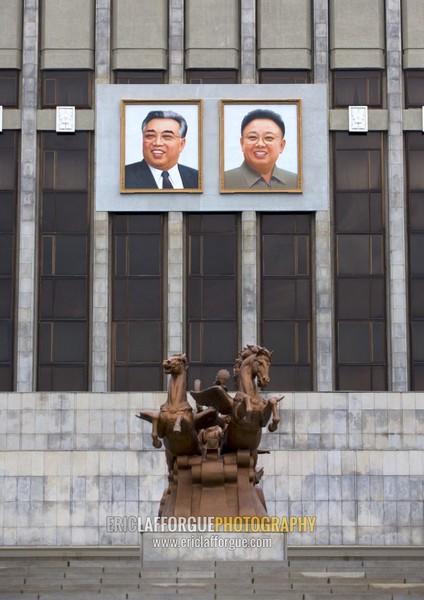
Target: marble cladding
{"x":69,"y":461}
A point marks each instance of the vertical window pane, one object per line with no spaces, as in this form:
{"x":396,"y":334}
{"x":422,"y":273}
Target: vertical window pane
{"x":211,"y":294}
{"x":137,"y":302}
{"x":359,"y":247}
{"x":286,"y":309}
{"x":63,"y":307}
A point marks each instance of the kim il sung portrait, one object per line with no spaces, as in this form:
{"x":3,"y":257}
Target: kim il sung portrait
{"x":160,"y":147}
{"x":260,"y":147}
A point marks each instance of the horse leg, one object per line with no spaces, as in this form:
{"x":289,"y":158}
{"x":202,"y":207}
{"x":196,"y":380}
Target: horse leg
{"x":275,"y":416}
{"x":155,"y":434}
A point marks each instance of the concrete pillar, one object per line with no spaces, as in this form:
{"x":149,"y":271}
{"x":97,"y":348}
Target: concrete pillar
{"x":100,"y":348}
{"x":324,"y":317}
{"x":176,"y":41}
{"x":175,"y":333}
{"x":396,"y":226}
{"x":249,"y":278}
{"x":28,"y":204}
{"x":248,"y":42}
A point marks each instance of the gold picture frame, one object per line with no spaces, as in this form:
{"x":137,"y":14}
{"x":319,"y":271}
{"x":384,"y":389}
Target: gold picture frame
{"x":142,"y":161}
{"x":248,"y":162}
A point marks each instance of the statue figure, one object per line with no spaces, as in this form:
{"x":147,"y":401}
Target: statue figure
{"x":248,"y":410}
{"x":176,"y":423}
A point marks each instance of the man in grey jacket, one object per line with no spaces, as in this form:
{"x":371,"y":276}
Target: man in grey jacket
{"x":262,"y":141}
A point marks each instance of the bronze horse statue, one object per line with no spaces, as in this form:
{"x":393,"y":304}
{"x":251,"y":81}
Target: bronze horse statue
{"x":175,"y":422}
{"x":248,"y":410}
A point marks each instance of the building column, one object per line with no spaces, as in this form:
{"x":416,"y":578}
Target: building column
{"x":249,"y":279}
{"x":323,"y":274}
{"x":175,"y":297}
{"x":100,"y":349}
{"x":26,"y":317}
{"x":175,"y":333}
{"x":176,"y":42}
{"x":248,"y":42}
{"x":396,"y":201}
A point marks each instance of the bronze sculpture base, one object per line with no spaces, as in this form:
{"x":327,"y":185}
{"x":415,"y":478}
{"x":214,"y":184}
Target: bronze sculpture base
{"x":221,"y":486}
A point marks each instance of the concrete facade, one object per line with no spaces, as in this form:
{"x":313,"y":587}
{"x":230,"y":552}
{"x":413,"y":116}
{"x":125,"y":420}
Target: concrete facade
{"x":354,"y":460}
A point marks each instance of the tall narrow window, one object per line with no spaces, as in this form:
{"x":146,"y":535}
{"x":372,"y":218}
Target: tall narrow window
{"x":66,"y":88}
{"x":64,"y":263}
{"x":211,"y":295}
{"x":360,"y":268}
{"x":415,"y":158}
{"x":8,"y":203}
{"x":355,"y":87}
{"x":286,"y":310}
{"x":9,"y":88}
{"x":414,"y":88}
{"x":137,"y":302}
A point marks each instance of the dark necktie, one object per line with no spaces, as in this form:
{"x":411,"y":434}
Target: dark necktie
{"x":167,"y":185}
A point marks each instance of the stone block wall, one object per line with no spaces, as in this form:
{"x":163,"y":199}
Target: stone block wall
{"x":70,"y":461}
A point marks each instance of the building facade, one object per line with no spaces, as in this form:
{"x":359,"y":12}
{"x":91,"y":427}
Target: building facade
{"x":92,"y":301}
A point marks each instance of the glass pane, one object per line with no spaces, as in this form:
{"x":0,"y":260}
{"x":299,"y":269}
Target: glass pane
{"x":355,"y":378}
{"x":195,"y":256}
{"x":353,"y":255}
{"x":353,"y":298}
{"x":219,"y":299}
{"x":416,"y":250}
{"x":416,"y":298}
{"x":144,"y":299}
{"x":5,"y":342}
{"x":71,"y":255}
{"x":69,"y":342}
{"x":278,"y":299}
{"x":7,"y":169}
{"x":354,"y":342}
{"x":6,"y":254}
{"x":218,"y":255}
{"x":68,"y":378}
{"x":144,"y":255}
{"x":6,"y":299}
{"x":71,"y":170}
{"x":6,"y":375}
{"x":194,"y":298}
{"x":7,"y":212}
{"x":144,"y":342}
{"x":416,"y":211}
{"x":352,"y":212}
{"x":9,"y":88}
{"x":120,"y":342}
{"x":63,"y":299}
{"x":144,"y":379}
{"x":195,"y":342}
{"x":417,"y":338}
{"x":280,"y":337}
{"x":278,"y":255}
{"x":219,"y":342}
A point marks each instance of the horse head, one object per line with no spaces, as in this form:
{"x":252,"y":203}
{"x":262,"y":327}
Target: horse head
{"x":258,"y":360}
{"x":175,"y":365}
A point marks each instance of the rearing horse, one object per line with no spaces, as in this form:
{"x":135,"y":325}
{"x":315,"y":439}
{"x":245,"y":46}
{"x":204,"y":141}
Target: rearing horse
{"x":175,"y":422}
{"x":249,"y":411}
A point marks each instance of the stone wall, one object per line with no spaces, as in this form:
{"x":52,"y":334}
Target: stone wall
{"x":69,"y":461}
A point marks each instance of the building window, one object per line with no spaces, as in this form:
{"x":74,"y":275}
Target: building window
{"x":357,"y":88}
{"x":414,"y":88}
{"x":9,"y":88}
{"x":64,"y":263}
{"x":284,"y":76}
{"x":212,"y":297}
{"x":137,"y":302}
{"x":8,"y":203}
{"x":360,"y":269}
{"x":66,"y":88}
{"x":415,"y":157}
{"x":286,"y":302}
{"x":212,"y":76}
{"x":140,"y":76}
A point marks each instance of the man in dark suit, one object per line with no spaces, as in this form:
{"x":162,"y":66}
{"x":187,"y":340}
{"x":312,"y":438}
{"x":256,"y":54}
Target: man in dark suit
{"x":164,"y":138}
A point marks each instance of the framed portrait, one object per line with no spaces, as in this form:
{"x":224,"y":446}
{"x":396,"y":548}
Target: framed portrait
{"x":261,"y":146}
{"x":161,"y":146}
